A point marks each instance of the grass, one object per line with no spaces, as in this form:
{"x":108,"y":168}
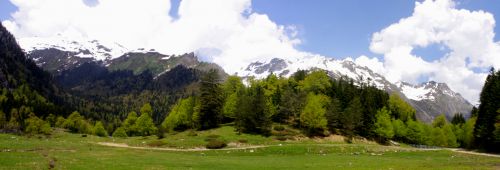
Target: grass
{"x":71,"y":151}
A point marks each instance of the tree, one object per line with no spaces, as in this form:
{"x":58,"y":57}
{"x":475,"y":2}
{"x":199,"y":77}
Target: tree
{"x":77,"y":124}
{"x":3,"y":120}
{"x":312,"y":117}
{"x":333,"y":115}
{"x":438,"y":137}
{"x":147,"y":109}
{"x":415,"y":132}
{"x":211,"y":101}
{"x":99,"y":129}
{"x":35,"y":125}
{"x":253,"y":117}
{"x":51,"y":118}
{"x":400,"y":109}
{"x":458,"y":119}
{"x":120,"y":133}
{"x":144,"y":123}
{"x":129,"y":124}
{"x":468,"y":139}
{"x":230,"y":106}
{"x":352,"y":117}
{"x":451,"y":139}
{"x":181,"y":115}
{"x":60,"y":122}
{"x":439,"y":121}
{"x":383,"y":125}
{"x":316,"y":82}
{"x":400,"y":129}
{"x":485,"y":124}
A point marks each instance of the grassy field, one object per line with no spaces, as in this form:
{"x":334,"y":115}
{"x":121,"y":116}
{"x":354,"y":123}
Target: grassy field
{"x":72,"y":151}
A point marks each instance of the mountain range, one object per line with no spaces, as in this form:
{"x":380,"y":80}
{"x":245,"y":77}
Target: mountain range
{"x":59,"y":56}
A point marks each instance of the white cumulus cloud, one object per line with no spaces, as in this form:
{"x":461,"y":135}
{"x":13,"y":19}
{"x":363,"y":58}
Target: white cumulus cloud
{"x":224,"y":31}
{"x":469,"y":36}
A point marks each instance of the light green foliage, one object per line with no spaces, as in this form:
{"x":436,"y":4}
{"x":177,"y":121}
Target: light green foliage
{"x":451,"y":139}
{"x":383,"y":125}
{"x":415,"y":132}
{"x":400,"y":129}
{"x":129,"y":123}
{"x":77,"y":124}
{"x":230,"y":106}
{"x":60,"y":122}
{"x":469,"y":132}
{"x":99,"y":129}
{"x":312,"y":116}
{"x":35,"y":125}
{"x":147,"y":109}
{"x":51,"y":118}
{"x":316,"y":82}
{"x":439,"y":121}
{"x":438,"y":137}
{"x":120,"y":133}
{"x":232,"y":85}
{"x":144,"y":123}
{"x":400,"y":109}
{"x":181,"y":115}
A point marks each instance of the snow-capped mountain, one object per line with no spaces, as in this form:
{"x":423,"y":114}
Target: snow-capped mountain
{"x":429,"y":99}
{"x":82,"y":48}
{"x":58,"y":54}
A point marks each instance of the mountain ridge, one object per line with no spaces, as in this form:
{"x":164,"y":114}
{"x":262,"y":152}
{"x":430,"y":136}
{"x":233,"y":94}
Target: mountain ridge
{"x":423,"y":98}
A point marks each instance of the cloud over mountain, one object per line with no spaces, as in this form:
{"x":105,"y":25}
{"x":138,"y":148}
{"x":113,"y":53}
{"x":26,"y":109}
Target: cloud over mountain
{"x":469,"y":36}
{"x":227,"y":32}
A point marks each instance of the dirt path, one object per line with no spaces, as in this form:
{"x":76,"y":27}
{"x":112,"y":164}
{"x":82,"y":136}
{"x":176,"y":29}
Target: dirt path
{"x":475,"y":153}
{"x":123,"y":145}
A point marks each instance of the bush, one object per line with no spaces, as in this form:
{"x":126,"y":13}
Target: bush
{"x":99,"y":130}
{"x":120,"y":133}
{"x":216,"y":144}
{"x":279,"y":128}
{"x":281,"y":138}
{"x":243,"y":141}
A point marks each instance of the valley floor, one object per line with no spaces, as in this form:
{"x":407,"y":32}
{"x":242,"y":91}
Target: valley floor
{"x":185,"y":151}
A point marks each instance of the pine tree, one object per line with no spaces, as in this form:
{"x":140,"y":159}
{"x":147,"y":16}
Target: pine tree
{"x":352,"y":117}
{"x":211,"y":100}
{"x":485,"y":124}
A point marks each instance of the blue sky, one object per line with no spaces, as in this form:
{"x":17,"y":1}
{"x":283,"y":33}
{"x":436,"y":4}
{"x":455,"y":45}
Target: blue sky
{"x":336,"y":28}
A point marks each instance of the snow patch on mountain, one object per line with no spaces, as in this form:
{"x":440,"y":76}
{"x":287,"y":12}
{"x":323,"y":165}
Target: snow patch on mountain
{"x":84,"y":48}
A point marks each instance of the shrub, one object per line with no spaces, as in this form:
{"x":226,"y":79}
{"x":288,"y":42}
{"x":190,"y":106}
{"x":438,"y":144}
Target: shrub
{"x":120,"y":133}
{"x":281,"y":138}
{"x":99,"y":130}
{"x":243,"y":141}
{"x":216,"y":144}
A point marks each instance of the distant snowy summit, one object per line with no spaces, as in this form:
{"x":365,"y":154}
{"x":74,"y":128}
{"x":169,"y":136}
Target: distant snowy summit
{"x":430,"y":99}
